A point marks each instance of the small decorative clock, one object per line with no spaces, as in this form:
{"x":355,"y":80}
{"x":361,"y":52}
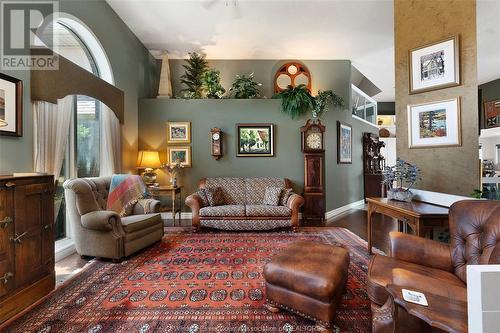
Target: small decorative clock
{"x":314,"y":164}
{"x":216,"y":142}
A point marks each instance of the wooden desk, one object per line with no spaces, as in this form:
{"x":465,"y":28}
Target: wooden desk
{"x":175,"y":195}
{"x":420,"y":216}
{"x":447,"y":314}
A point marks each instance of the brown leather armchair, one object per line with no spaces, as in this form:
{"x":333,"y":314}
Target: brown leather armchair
{"x":432,"y":266}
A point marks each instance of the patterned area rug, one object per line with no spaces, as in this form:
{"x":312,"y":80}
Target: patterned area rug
{"x":194,"y":282}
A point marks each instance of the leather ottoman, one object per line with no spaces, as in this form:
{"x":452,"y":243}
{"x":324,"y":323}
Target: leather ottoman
{"x":307,"y":279}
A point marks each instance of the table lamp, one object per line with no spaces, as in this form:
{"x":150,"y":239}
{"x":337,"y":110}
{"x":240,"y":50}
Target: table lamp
{"x":148,"y":160}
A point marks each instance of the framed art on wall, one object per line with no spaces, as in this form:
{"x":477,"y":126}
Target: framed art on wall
{"x":344,"y":143}
{"x":254,"y":140}
{"x":492,"y":114}
{"x":11,"y":106}
{"x":179,"y":132}
{"x":435,"y":124}
{"x":180,"y":154}
{"x":435,"y":66}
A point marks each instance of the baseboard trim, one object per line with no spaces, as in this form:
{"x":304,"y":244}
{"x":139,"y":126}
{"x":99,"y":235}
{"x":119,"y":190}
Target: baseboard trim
{"x":64,"y":248}
{"x":184,"y":215}
{"x":337,"y":211}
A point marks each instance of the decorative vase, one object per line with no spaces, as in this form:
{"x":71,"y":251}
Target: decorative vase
{"x":399,"y":194}
{"x":173,"y":181}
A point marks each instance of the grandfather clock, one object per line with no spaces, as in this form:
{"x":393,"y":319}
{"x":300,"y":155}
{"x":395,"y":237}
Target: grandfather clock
{"x":314,"y":161}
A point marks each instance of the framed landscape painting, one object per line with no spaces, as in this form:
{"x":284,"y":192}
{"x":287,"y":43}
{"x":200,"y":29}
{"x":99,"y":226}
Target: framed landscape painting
{"x":180,"y":154}
{"x":179,"y":132}
{"x":435,"y":66}
{"x":254,"y":140}
{"x":11,"y":106}
{"x":344,"y":143}
{"x":434,"y":124}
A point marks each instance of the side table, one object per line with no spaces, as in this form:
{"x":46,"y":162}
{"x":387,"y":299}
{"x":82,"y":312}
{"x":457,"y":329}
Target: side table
{"x":175,"y":195}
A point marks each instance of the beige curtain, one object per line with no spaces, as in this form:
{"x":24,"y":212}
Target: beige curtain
{"x":52,"y":123}
{"x":110,"y":150}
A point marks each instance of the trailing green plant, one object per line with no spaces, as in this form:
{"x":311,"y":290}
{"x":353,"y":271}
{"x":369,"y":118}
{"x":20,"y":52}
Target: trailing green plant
{"x":211,"y":84}
{"x":245,"y":87}
{"x":295,"y":101}
{"x":195,"y":67}
{"x":321,"y":101}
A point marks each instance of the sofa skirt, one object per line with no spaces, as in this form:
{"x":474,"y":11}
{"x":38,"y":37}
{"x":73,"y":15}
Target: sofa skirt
{"x":250,"y":224}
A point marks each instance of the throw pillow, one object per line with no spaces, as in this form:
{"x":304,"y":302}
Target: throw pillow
{"x":272,"y":196}
{"x":215,"y":196}
{"x":285,"y":194}
{"x":203,"y":195}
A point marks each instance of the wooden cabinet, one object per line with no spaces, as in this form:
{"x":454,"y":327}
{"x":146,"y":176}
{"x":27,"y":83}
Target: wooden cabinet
{"x":26,"y":242}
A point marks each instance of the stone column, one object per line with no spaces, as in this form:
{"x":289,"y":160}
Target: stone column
{"x":165,"y":89}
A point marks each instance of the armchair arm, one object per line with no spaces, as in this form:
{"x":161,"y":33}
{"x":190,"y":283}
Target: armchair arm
{"x":421,"y":251}
{"x":153,"y":205}
{"x":195,"y":203}
{"x":294,"y":202}
{"x":103,"y":220}
{"x":495,"y":256}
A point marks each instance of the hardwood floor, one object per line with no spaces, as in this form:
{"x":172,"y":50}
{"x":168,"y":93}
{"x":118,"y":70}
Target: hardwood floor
{"x":354,"y":220}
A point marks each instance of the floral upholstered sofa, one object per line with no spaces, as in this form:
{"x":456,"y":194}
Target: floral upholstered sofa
{"x":241,"y":204}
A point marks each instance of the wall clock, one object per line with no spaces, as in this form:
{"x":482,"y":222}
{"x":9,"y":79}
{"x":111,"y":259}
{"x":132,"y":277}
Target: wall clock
{"x":216,"y":142}
{"x":314,"y":159}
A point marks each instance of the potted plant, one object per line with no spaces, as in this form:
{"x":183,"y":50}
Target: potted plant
{"x":296,"y":101}
{"x":193,"y":77}
{"x":245,"y":87}
{"x":400,"y":179}
{"x":211,"y":84}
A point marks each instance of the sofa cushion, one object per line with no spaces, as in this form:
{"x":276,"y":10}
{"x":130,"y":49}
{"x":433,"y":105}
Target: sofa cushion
{"x":256,"y":188}
{"x":265,"y":210}
{"x":215,"y":196}
{"x":225,"y":210}
{"x":202,"y":192}
{"x":138,"y":222}
{"x":233,"y":189}
{"x":272,"y":196}
{"x":285,"y":194}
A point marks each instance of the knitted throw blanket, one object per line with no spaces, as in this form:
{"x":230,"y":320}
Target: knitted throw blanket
{"x":125,"y":192}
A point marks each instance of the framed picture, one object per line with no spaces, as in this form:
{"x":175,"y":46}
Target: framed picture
{"x":254,"y":140}
{"x":344,"y":143}
{"x":179,"y":132}
{"x":492,"y":114}
{"x":11,"y":106}
{"x":180,"y":154}
{"x":434,"y":124}
{"x":435,"y":66}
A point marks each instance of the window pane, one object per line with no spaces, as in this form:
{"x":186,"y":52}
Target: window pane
{"x":60,"y":204}
{"x":87,"y":136}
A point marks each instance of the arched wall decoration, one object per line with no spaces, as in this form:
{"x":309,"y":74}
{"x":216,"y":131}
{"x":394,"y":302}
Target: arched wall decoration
{"x":292,"y":73}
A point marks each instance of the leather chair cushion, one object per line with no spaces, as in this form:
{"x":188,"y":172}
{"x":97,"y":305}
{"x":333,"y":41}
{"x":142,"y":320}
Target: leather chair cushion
{"x":134,"y":223}
{"x":380,"y":274}
{"x":312,"y":269}
{"x":221,"y":211}
{"x":265,"y":210}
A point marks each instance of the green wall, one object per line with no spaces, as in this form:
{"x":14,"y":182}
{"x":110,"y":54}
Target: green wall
{"x":344,"y":183}
{"x":135,"y":72}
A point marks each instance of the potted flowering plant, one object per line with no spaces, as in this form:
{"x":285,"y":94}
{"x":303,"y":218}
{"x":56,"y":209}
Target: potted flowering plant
{"x":400,"y":179}
{"x":173,"y":169}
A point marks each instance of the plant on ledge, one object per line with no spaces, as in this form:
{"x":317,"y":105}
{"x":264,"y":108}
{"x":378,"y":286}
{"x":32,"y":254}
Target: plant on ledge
{"x":400,"y":179}
{"x":193,"y":77}
{"x":321,"y":101}
{"x":245,"y":87}
{"x":211,"y":84}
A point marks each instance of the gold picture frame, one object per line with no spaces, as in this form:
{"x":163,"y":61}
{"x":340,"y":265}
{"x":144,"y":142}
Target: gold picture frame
{"x":182,"y":154}
{"x":435,"y":65}
{"x":178,"y":132}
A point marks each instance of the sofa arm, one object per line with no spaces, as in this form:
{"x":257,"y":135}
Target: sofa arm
{"x":294,"y":202}
{"x":104,"y":220}
{"x":152,"y":205}
{"x":195,"y":203}
{"x":421,"y":251}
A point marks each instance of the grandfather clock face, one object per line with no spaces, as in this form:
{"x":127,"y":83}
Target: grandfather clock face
{"x":314,"y":139}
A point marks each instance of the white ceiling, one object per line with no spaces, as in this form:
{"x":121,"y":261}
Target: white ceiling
{"x":359,"y":30}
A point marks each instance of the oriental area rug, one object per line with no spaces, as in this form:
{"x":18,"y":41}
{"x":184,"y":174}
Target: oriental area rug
{"x":194,"y":282}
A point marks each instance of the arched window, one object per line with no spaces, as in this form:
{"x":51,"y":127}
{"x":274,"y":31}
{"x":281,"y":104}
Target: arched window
{"x":292,"y":74}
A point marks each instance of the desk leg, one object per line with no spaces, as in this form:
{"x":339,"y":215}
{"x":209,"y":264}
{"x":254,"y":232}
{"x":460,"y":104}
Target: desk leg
{"x":173,"y":207}
{"x":420,"y":232}
{"x":371,"y":211}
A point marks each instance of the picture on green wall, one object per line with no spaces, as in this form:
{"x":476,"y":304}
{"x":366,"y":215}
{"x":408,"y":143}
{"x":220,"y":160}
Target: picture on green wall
{"x":255,"y":140}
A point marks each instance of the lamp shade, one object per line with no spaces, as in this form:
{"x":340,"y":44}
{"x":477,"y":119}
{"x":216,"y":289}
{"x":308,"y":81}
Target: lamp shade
{"x":3,"y":123}
{"x":148,"y":159}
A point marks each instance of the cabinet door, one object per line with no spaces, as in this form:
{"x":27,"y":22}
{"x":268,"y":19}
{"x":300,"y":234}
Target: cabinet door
{"x":6,"y":248}
{"x":314,"y":206}
{"x":48,"y":219}
{"x":313,"y":173}
{"x":28,"y":235}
